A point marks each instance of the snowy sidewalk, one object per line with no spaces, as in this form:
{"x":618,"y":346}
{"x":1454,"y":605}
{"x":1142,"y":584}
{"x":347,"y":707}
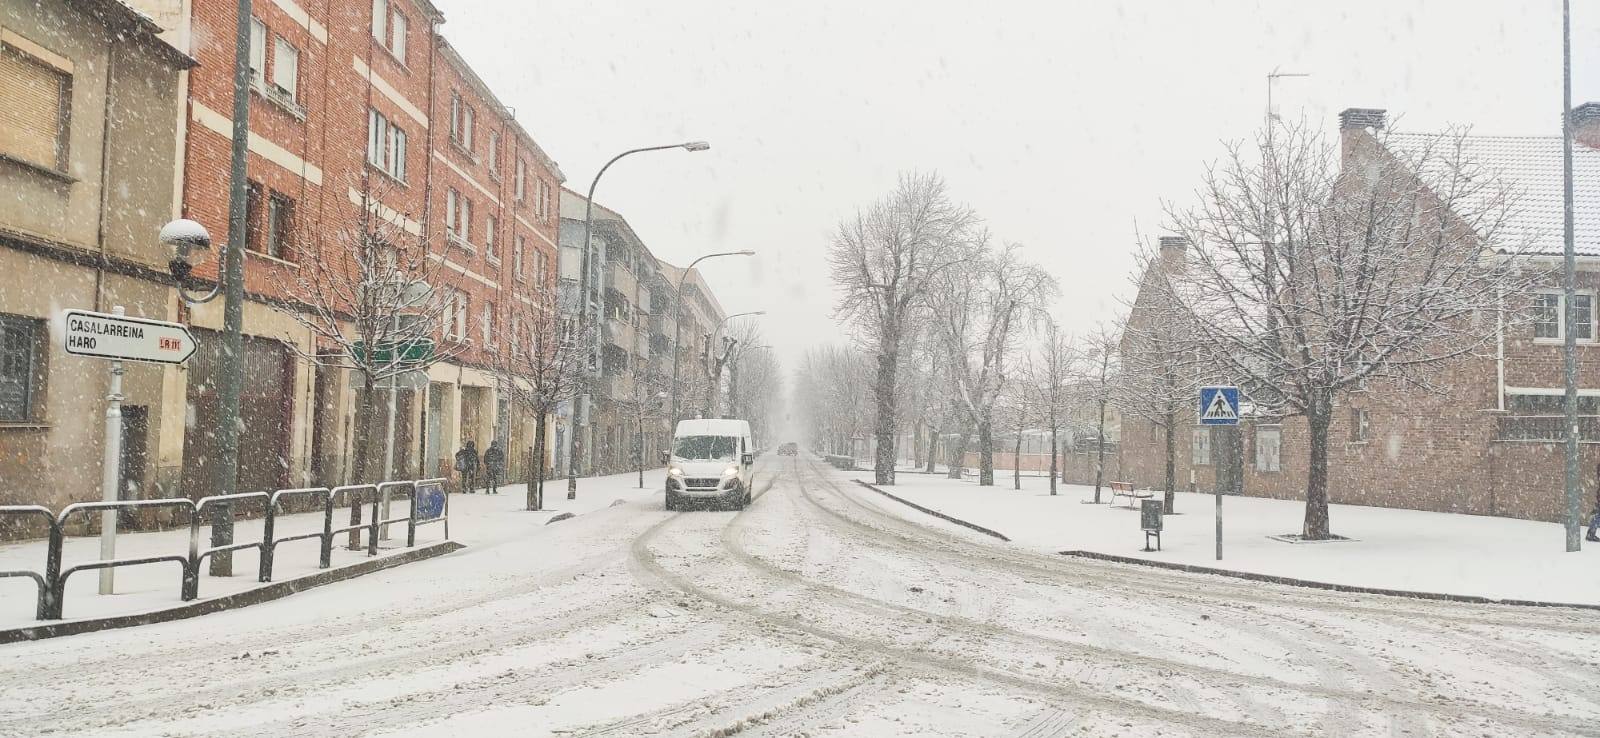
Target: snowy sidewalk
{"x":1473,"y":555}
{"x":475,"y":520}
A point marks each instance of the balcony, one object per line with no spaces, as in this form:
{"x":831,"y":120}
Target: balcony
{"x":621,"y":334}
{"x":619,"y":278}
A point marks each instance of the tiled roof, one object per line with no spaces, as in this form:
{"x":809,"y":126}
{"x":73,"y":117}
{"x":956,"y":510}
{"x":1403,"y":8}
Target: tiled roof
{"x":1531,"y":165}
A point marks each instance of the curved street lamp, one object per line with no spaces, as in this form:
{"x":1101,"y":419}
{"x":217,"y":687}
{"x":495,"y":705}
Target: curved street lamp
{"x":677,"y":321}
{"x":584,"y":287}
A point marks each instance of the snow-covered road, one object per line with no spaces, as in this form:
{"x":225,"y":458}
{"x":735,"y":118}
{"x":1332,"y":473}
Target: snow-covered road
{"x":814,"y":612}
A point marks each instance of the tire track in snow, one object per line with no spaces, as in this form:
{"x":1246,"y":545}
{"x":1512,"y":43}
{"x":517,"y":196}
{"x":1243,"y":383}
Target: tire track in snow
{"x":653,"y":573}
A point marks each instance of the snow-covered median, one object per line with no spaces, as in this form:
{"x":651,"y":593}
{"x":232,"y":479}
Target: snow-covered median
{"x":1472,"y":555}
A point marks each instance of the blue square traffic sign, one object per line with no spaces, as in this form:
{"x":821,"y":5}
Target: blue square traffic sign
{"x":1219,"y":405}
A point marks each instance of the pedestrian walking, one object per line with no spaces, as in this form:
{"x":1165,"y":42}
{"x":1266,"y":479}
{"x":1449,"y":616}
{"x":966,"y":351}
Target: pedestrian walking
{"x":467,"y":465}
{"x":494,"y":466}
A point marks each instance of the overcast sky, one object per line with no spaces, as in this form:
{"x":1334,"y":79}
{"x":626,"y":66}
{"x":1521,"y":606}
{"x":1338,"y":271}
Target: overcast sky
{"x":1063,"y":124}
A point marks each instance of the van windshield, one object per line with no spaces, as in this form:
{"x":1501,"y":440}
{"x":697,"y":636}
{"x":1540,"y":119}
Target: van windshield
{"x":712,"y":448}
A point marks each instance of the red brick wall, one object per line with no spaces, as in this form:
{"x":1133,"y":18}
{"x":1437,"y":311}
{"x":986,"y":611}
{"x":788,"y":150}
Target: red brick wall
{"x":335,"y":97}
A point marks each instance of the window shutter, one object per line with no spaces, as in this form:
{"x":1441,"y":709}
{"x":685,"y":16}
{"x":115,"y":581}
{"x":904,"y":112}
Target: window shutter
{"x":32,"y":115}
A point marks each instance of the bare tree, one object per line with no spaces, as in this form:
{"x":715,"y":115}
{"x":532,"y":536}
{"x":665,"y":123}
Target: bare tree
{"x":831,"y":386}
{"x":1313,"y":273}
{"x":883,"y":261}
{"x":1050,"y":374}
{"x":540,"y":368}
{"x":981,"y":313}
{"x":1097,"y":387}
{"x":378,"y":300}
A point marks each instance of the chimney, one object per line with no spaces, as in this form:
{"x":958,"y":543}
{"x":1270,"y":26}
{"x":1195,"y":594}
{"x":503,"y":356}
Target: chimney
{"x":1586,"y":124}
{"x":1360,"y":118}
{"x":1174,"y":245}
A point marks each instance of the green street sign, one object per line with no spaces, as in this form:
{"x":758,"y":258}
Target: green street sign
{"x":410,"y":352}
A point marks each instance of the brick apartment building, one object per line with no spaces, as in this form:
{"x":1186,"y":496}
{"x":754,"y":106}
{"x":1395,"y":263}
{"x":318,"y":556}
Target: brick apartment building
{"x":357,"y":102}
{"x":1491,"y":443}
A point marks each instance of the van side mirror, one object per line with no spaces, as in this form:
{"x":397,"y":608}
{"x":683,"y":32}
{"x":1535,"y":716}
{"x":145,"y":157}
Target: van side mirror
{"x":747,"y":459}
{"x":666,"y":456}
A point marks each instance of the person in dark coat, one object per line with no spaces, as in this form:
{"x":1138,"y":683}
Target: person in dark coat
{"x":467,"y":465}
{"x":1594,"y":521}
{"x":494,"y":466}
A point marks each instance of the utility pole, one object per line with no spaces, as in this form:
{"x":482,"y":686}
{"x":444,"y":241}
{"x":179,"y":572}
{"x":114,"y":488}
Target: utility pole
{"x":230,"y":364}
{"x":1569,"y":284}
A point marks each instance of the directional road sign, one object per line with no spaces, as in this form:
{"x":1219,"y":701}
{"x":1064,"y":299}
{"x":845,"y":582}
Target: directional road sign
{"x":110,"y":336}
{"x":1219,"y":405}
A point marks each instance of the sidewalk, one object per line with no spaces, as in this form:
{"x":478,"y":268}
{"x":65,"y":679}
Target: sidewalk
{"x":475,"y":519}
{"x":1445,"y":553}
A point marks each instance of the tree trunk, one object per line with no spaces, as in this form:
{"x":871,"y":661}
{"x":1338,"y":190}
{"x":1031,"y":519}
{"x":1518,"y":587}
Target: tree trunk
{"x":958,"y":455}
{"x":1053,"y":447}
{"x":985,"y":453}
{"x":638,"y":452}
{"x":1100,"y":453}
{"x":360,"y":446}
{"x":1172,"y":462}
{"x":934,"y":436}
{"x":883,"y":395}
{"x":1319,"y":416}
{"x":536,"y":466}
{"x":1016,"y":463}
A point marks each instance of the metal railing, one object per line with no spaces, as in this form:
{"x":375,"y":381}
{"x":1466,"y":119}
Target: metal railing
{"x":52,"y":582}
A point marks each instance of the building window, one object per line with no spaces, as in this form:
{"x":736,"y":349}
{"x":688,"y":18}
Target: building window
{"x":489,"y":226}
{"x":397,"y":36}
{"x":1358,"y":424}
{"x":486,"y":317}
{"x":386,"y":145}
{"x":1200,"y":449}
{"x":1269,"y":446}
{"x":455,"y":316}
{"x":286,"y":69}
{"x":458,"y":217}
{"x":494,"y":154}
{"x":254,"y":199}
{"x":280,"y":221}
{"x":380,"y":20}
{"x":35,"y":105}
{"x":516,"y":260}
{"x":461,"y":122}
{"x":258,"y":50}
{"x":521,"y":180}
{"x":1549,"y":316}
{"x":20,"y":357}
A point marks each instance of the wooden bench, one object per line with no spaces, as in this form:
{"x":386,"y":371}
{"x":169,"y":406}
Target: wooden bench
{"x":1125,"y":489}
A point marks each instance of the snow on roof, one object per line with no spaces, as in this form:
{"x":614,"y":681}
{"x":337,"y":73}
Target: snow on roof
{"x":1531,"y":165}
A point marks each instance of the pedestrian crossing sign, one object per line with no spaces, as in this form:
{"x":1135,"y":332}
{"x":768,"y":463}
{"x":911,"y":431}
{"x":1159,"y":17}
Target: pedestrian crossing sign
{"x":1219,"y":405}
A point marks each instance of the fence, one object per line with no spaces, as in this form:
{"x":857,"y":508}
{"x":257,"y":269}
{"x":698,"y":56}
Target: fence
{"x":52,"y":582}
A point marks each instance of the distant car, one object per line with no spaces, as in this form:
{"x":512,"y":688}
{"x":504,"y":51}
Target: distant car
{"x":789,"y":449}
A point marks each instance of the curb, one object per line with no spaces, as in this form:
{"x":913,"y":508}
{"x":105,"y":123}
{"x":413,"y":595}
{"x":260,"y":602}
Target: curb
{"x":936,"y":513}
{"x":268,"y":593}
{"x":1310,"y":584}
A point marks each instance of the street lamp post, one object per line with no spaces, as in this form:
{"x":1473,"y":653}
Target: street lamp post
{"x":584,"y":289}
{"x":230,"y":285}
{"x":677,"y":322}
{"x":713,"y":366}
{"x":1569,"y":345}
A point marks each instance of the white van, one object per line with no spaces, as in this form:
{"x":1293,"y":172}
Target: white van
{"x":710,"y":460}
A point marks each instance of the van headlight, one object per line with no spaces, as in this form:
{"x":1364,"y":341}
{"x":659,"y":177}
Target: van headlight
{"x":730,"y":471}
{"x":674,"y":471}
